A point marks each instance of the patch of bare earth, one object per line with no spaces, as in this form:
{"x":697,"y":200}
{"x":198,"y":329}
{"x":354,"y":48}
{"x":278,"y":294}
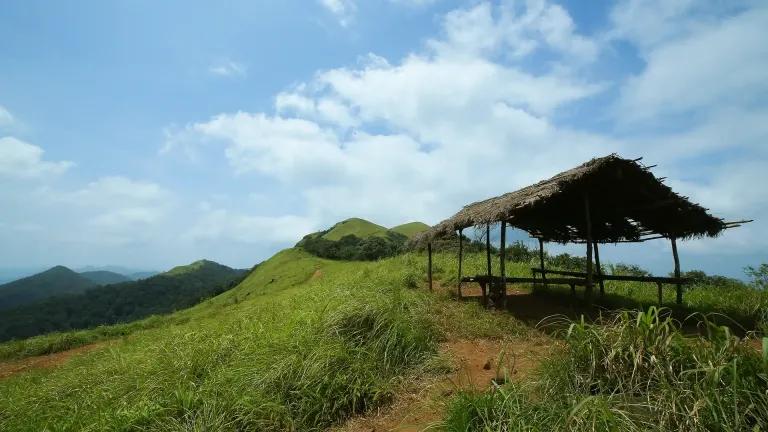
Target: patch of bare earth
{"x":477,"y":364}
{"x":13,"y":367}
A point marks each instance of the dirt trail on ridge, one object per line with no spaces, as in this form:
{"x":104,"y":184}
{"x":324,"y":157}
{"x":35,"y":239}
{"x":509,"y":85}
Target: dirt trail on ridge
{"x":12,"y":367}
{"x":477,"y":363}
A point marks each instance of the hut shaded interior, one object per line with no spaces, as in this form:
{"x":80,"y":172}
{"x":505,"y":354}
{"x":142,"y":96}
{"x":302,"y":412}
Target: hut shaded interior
{"x":626,"y":203}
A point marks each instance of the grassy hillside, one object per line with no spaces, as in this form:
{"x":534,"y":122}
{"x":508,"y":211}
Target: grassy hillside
{"x":410,"y":229}
{"x":300,"y":344}
{"x":55,"y":281}
{"x":303,"y":343}
{"x":354,"y":226}
{"x":176,"y":289}
{"x":104,"y":277}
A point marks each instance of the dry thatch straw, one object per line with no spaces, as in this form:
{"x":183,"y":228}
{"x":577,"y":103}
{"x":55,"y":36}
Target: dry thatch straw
{"x":626,"y":201}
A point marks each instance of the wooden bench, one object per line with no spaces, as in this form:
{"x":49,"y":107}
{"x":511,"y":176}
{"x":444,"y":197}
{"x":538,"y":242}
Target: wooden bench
{"x":495,"y":284}
{"x":598,"y":277}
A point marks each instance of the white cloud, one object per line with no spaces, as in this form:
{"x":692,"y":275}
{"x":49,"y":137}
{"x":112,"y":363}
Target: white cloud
{"x":280,"y":147}
{"x":343,"y":10}
{"x":229,"y":69}
{"x":465,"y":117}
{"x":113,"y":190}
{"x":6,"y":118}
{"x":486,"y":28}
{"x":224,"y":225}
{"x":120,"y":206}
{"x":721,"y":64}
{"x":19,"y":159}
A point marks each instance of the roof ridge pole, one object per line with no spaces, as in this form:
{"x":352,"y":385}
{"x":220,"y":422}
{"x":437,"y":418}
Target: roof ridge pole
{"x":541,"y":263}
{"x":679,"y":287}
{"x":599,"y":270}
{"x":461,"y":242}
{"x":502,"y":263}
{"x":588,"y":220}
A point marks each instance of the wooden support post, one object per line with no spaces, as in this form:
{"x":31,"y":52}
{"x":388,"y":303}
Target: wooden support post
{"x":658,"y":284}
{"x":484,"y":287}
{"x":679,"y":287}
{"x":461,"y":243}
{"x":541,"y":263}
{"x":573,"y":290}
{"x":488,"y":247}
{"x":588,"y":221}
{"x":502,"y":263}
{"x":599,"y":270}
{"x":429,"y":264}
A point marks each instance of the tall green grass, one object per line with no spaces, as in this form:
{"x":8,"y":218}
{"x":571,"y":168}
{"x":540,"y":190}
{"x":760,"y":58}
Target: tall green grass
{"x":285,"y":350}
{"x":633,"y":372}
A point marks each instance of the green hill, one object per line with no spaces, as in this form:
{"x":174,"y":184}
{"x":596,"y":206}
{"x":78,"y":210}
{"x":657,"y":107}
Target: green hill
{"x":104,"y":277}
{"x":354,"y":226}
{"x":304,"y":343}
{"x":179,"y":288}
{"x":410,"y":229}
{"x":55,"y":281}
{"x":360,"y":240}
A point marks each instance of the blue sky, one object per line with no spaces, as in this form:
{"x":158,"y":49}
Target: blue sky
{"x":150,"y":134}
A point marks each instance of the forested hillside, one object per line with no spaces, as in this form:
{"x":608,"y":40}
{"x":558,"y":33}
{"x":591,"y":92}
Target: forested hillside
{"x":176,"y":289}
{"x":58,"y":280}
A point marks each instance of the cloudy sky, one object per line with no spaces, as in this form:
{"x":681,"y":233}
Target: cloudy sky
{"x":150,"y":134}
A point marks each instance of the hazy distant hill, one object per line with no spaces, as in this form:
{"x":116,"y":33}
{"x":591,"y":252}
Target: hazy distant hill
{"x":55,"y":281}
{"x":142,"y":275}
{"x":131,"y":273}
{"x":104,"y":277}
{"x":178,"y":288}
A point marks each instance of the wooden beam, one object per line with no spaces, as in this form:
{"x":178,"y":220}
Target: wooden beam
{"x":658,"y":284}
{"x":588,"y":222}
{"x":541,"y":263}
{"x":679,"y":287}
{"x":488,"y":247}
{"x":599,"y":270}
{"x":461,"y":243}
{"x":429,"y":264}
{"x":502,"y":262}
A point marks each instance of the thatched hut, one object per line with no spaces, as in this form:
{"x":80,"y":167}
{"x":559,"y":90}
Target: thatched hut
{"x":605,"y":200}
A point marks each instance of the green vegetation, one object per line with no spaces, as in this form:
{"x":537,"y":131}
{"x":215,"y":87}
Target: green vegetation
{"x":410,"y":229}
{"x":301,"y":344}
{"x":103,"y":277}
{"x":177,"y":289}
{"x":635,"y":372}
{"x":354,"y":226}
{"x":360,"y":240}
{"x":58,"y":280}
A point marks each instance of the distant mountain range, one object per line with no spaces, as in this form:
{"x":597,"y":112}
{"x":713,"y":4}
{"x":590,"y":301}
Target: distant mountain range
{"x":61,"y":299}
{"x":60,"y":280}
{"x":104,"y":277}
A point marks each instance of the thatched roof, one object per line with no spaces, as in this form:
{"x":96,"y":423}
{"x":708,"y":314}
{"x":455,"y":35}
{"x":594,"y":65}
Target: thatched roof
{"x":627,"y":203}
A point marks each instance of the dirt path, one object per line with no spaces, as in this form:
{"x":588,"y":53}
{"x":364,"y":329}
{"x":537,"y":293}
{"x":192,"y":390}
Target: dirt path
{"x":477,"y":363}
{"x":13,"y":367}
